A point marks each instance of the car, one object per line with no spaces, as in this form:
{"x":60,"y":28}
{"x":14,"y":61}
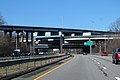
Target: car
{"x":16,"y":53}
{"x":41,"y":53}
{"x":67,"y":53}
{"x":104,"y":54}
{"x":78,"y":53}
{"x":116,"y":58}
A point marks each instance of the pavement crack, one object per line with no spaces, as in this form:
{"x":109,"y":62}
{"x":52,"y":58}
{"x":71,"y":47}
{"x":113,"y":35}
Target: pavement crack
{"x":101,"y":69}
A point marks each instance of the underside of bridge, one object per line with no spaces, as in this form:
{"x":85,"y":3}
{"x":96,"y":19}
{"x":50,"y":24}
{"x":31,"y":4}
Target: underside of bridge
{"x":55,"y":43}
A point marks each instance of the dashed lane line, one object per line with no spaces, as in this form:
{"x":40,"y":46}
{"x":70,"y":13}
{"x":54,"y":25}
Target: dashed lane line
{"x":98,"y":63}
{"x":104,"y":67}
{"x":117,"y":78}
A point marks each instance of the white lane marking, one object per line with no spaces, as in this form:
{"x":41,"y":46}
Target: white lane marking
{"x":98,"y":63}
{"x":117,"y":78}
{"x":104,"y":67}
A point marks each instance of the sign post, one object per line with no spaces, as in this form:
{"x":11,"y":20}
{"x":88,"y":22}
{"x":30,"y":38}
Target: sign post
{"x":89,"y":43}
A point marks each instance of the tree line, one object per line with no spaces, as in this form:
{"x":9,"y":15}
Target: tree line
{"x":7,"y":43}
{"x":113,"y":43}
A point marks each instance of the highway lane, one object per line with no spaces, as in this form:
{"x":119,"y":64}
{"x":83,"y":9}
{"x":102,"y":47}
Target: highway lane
{"x":81,"y":67}
{"x":106,"y":61}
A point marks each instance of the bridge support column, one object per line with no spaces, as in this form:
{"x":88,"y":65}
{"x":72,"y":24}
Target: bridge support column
{"x":5,"y":32}
{"x":32,"y":38}
{"x":105,"y":45}
{"x":61,"y":44}
{"x":17,"y":39}
{"x":10,"y":33}
{"x":100,"y":47}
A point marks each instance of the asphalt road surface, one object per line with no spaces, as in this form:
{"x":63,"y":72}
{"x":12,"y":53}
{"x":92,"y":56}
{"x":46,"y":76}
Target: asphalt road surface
{"x":81,"y":67}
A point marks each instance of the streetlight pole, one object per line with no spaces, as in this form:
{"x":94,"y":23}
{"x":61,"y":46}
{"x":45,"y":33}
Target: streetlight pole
{"x":16,"y":45}
{"x":17,"y":39}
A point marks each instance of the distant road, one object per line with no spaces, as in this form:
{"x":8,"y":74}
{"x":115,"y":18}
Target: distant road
{"x":81,"y":67}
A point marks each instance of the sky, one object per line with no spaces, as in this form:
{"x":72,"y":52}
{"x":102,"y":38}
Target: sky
{"x":73,"y":14}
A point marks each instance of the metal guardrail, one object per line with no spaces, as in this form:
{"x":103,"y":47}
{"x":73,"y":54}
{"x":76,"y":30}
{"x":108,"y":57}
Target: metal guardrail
{"x":17,"y":66}
{"x":14,"y":62}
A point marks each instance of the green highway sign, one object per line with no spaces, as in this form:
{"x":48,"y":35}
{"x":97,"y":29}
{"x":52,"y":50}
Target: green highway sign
{"x":88,"y":43}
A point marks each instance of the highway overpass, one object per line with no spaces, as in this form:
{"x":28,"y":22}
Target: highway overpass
{"x":50,"y":38}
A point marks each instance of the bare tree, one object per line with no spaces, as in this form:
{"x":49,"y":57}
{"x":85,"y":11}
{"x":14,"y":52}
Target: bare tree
{"x":2,"y":20}
{"x":115,"y":26}
{"x":6,"y":45}
{"x":112,"y":45}
{"x":115,"y":43}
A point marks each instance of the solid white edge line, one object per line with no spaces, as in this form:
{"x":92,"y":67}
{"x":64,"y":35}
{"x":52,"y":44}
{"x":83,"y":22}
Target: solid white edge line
{"x":117,"y":78}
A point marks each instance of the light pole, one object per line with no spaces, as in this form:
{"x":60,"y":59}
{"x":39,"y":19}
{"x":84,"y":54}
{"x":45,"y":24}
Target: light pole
{"x":16,"y":42}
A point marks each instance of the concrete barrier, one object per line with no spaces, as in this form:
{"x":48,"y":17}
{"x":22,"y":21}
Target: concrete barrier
{"x":16,"y":74}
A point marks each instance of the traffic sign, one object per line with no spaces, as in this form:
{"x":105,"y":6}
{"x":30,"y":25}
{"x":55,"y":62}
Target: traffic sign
{"x":88,"y":43}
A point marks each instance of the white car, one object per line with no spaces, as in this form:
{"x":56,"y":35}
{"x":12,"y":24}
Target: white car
{"x":41,"y":53}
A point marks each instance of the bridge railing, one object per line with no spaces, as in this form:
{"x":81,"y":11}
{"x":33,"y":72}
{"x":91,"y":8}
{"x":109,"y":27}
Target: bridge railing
{"x":110,"y":36}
